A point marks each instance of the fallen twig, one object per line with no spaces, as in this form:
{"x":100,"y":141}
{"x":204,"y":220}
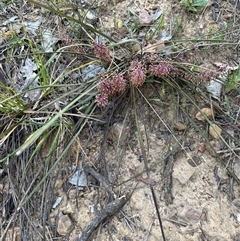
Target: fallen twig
{"x":109,"y":210}
{"x":168,"y":182}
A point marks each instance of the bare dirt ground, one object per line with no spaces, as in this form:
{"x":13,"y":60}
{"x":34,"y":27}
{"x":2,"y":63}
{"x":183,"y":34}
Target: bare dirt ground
{"x":196,"y":196}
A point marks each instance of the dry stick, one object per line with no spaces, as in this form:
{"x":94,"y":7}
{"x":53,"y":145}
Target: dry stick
{"x":139,"y":177}
{"x":108,"y":211}
{"x":168,"y":182}
{"x":109,"y":118}
{"x":168,"y":174}
{"x":128,"y":221}
{"x":33,"y":225}
{"x":175,"y":221}
{"x":231,"y":190}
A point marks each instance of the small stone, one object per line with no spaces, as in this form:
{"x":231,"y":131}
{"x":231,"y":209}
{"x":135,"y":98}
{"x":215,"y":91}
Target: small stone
{"x":179,"y":126}
{"x":118,"y":133}
{"x":59,"y":183}
{"x":13,"y":234}
{"x":136,"y":47}
{"x":144,"y":18}
{"x":194,"y":161}
{"x":215,"y":131}
{"x":204,"y":111}
{"x":90,"y":15}
{"x":190,"y":214}
{"x":202,"y":148}
{"x":57,"y":202}
{"x":65,"y":225}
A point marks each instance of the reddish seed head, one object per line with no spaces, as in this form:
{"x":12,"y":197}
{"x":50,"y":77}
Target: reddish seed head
{"x":119,"y":83}
{"x":207,"y":75}
{"x":102,"y":52}
{"x":135,"y":64}
{"x":160,"y":70}
{"x":137,"y":77}
{"x":106,"y":86}
{"x":137,"y":74}
{"x":102,"y":99}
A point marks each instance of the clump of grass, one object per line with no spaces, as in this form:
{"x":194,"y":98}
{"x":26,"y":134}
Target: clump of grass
{"x":194,"y":5}
{"x":138,"y":71}
{"x":47,"y":117}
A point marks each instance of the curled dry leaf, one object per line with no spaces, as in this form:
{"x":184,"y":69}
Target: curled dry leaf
{"x":215,"y":131}
{"x":144,"y":18}
{"x":204,"y":111}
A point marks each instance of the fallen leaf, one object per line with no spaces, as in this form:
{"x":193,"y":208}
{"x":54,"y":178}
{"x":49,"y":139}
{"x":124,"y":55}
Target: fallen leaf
{"x":136,"y":48}
{"x":79,"y":179}
{"x":194,"y":161}
{"x":30,"y":77}
{"x":165,"y":36}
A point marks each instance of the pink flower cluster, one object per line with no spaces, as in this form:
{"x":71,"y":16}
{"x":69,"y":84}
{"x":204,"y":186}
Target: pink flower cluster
{"x":160,"y":70}
{"x":108,"y":87}
{"x":207,"y":75}
{"x":102,"y":52}
{"x":137,"y":73}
